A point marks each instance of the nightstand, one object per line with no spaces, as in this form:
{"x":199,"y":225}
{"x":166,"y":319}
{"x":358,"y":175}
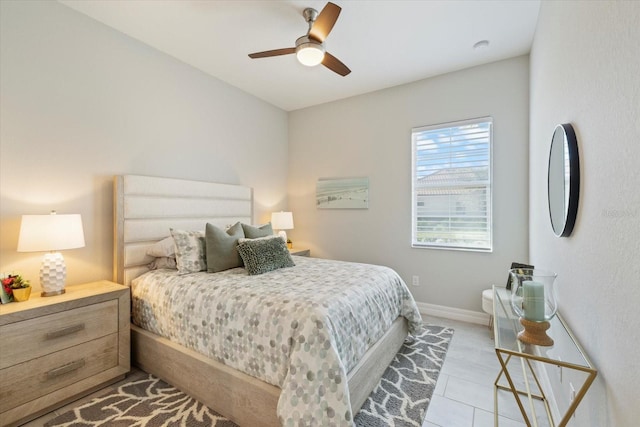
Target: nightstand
{"x":56,"y":349}
{"x":300,"y":251}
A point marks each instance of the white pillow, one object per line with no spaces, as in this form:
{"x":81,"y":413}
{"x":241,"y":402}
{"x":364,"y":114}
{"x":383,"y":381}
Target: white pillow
{"x":164,"y":248}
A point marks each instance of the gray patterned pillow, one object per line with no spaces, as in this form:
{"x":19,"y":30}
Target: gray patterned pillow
{"x":264,"y":254}
{"x":190,"y":251}
{"x":252,"y":232}
{"x":222,"y":253}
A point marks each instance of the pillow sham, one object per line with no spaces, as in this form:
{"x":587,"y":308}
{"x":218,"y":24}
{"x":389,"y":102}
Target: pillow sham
{"x":264,"y":254}
{"x":190,"y":251}
{"x":253,"y":232}
{"x":164,"y":248}
{"x":220,"y":245}
{"x":162,"y":262}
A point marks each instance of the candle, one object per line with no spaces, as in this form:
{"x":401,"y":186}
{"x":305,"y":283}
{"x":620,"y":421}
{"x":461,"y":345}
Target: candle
{"x":533,"y":300}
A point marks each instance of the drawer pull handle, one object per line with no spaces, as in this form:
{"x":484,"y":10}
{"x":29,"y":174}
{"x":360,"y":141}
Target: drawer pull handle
{"x":64,"y":369}
{"x":65,"y":331}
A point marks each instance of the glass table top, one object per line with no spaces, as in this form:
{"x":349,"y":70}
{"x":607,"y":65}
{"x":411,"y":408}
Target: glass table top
{"x":506,"y":327}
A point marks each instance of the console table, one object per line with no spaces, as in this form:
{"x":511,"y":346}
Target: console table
{"x":566,"y":353}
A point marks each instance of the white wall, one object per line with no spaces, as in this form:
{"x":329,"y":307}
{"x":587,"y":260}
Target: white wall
{"x":585,"y":69}
{"x":81,"y":102}
{"x":370,"y":136}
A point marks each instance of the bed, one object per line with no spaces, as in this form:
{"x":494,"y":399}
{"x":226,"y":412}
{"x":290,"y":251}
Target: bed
{"x":319,"y":377}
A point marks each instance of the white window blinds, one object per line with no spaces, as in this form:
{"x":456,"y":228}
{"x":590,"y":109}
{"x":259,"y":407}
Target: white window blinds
{"x":451,"y":203}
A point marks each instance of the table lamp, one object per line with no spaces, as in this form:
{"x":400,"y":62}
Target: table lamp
{"x":51,"y":233}
{"x":282,"y":221}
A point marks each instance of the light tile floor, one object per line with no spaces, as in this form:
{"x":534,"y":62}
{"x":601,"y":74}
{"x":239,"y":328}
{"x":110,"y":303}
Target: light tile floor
{"x":464,"y":393}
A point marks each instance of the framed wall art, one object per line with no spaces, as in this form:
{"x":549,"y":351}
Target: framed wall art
{"x":342,"y":193}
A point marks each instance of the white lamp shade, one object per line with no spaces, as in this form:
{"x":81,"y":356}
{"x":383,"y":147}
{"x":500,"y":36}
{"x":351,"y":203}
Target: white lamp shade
{"x":50,"y":233}
{"x":282,"y":220}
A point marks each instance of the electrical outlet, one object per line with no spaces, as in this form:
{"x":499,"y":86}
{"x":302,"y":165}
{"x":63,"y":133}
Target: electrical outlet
{"x":416,"y":281}
{"x":572,"y":393}
{"x":559,"y":369}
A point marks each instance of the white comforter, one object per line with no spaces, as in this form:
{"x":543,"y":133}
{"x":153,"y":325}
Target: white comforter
{"x":300,"y":328}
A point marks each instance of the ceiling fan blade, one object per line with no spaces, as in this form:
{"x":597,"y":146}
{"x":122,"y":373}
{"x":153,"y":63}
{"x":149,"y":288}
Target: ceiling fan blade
{"x":325,"y":22}
{"x":335,"y":65}
{"x":275,"y":52}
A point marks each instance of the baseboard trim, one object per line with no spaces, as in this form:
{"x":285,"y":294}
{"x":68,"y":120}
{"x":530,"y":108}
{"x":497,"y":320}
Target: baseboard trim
{"x":453,"y":313}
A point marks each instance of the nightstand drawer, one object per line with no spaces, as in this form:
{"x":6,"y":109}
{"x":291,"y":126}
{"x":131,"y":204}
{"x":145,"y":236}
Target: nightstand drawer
{"x":28,"y":381}
{"x":30,"y":339}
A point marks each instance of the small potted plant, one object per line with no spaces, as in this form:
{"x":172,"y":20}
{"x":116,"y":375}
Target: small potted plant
{"x":16,"y":286}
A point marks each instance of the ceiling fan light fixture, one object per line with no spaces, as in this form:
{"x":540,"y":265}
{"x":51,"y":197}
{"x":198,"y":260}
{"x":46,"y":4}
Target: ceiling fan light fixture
{"x":309,"y":49}
{"x":310,"y":54}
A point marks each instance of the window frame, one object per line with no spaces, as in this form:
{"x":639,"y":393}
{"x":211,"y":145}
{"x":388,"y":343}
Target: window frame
{"x":414,"y":192}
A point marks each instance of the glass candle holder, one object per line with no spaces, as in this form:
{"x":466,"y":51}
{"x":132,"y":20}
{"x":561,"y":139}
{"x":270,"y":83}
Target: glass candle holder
{"x":533,"y":294}
{"x":533,"y":298}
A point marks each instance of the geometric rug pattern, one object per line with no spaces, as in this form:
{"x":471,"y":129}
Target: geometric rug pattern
{"x":400,"y":399}
{"x":402,"y":396}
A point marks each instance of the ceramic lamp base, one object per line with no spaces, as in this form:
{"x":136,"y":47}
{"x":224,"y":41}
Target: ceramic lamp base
{"x":53,"y":274}
{"x":535,"y":333}
{"x":52,"y":293}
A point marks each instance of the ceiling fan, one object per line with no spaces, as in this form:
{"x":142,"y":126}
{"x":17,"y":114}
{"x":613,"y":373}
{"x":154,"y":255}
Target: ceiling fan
{"x":309,"y":48}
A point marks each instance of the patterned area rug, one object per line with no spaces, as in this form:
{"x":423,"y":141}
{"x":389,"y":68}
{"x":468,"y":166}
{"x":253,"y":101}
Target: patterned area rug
{"x":400,"y":399}
{"x":402,"y":396}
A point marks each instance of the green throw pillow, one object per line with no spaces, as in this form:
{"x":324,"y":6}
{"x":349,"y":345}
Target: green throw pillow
{"x":251,"y":232}
{"x":221,"y":247}
{"x":264,"y":254}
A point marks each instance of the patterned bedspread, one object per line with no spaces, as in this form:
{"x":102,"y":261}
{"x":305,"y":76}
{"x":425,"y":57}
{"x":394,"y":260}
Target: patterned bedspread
{"x":300,"y":328}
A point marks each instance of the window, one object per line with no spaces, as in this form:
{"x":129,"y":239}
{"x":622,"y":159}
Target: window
{"x":451,"y":185}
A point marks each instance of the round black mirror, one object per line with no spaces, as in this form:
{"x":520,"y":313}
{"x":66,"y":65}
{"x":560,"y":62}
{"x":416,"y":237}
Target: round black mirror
{"x":563,"y":181}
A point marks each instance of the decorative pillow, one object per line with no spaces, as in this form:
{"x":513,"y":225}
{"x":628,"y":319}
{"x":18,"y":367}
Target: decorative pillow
{"x":190,"y":251}
{"x":264,"y":254}
{"x":252,"y":232}
{"x":222,"y":253}
{"x":164,"y":248}
{"x":163,"y":262}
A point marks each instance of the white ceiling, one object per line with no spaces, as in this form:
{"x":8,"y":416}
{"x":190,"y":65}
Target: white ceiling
{"x":384,"y":43}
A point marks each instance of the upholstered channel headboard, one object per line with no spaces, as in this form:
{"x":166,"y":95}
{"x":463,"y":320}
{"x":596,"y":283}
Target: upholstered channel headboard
{"x":145,"y":208}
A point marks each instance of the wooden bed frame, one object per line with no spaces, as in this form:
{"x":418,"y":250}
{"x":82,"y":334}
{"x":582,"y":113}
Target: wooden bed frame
{"x":144,"y":210}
